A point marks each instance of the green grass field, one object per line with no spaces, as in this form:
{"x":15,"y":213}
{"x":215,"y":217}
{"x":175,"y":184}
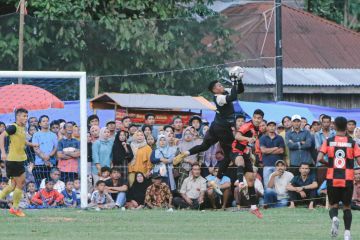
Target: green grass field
{"x":156,"y":224}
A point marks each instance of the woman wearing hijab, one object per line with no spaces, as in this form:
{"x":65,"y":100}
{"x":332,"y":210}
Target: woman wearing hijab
{"x":136,"y":194}
{"x":188,"y":141}
{"x":122,"y":154}
{"x":93,"y":135}
{"x":141,"y":161}
{"x":162,"y":158}
{"x":101,"y":152}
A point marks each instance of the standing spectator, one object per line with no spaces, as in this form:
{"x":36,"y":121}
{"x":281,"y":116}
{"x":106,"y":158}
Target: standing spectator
{"x":47,"y":197}
{"x":280,"y":129}
{"x":55,"y":127}
{"x":117,"y":187}
{"x":224,"y":185}
{"x":286,"y":122}
{"x":118,"y":125}
{"x":102,"y":152}
{"x":192,"y":190}
{"x":304,"y":122}
{"x":55,"y":178}
{"x":33,"y":121}
{"x":316,"y":126}
{"x":93,"y":136}
{"x":2,"y":127}
{"x":299,"y":143}
{"x":355,"y":205}
{"x":69,"y":195}
{"x":93,"y":120}
{"x":141,"y":161}
{"x":45,"y":153}
{"x":351,"y":125}
{"x":169,"y":129}
{"x":150,"y":120}
{"x":303,"y":187}
{"x":68,"y":154}
{"x":173,"y":142}
{"x":136,"y":194}
{"x":187,"y":142}
{"x":111,"y":126}
{"x":162,"y":158}
{"x":324,"y":134}
{"x":272,"y":147}
{"x":239,"y":121}
{"x":158,"y":195}
{"x":276,"y":194}
{"x":101,"y":199}
{"x":150,"y":140}
{"x":147,"y":130}
{"x":126,"y":122}
{"x":133,"y":128}
{"x":196,"y":122}
{"x":30,"y":152}
{"x":210,"y":159}
{"x":178,"y":127}
{"x":122,"y":154}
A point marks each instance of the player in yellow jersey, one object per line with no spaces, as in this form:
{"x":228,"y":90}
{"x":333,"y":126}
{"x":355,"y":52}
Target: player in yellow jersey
{"x":15,"y":161}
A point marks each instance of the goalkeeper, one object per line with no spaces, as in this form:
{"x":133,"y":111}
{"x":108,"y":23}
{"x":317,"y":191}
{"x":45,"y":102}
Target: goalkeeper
{"x":221,"y":128}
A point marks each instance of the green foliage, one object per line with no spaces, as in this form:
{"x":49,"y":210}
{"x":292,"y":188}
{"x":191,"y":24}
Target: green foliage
{"x":346,"y":12}
{"x":122,"y":37}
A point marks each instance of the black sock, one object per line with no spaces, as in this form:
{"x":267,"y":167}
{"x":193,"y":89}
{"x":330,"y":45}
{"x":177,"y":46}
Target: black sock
{"x":347,"y":219}
{"x":252,"y":195}
{"x":240,"y":173}
{"x":333,"y":212}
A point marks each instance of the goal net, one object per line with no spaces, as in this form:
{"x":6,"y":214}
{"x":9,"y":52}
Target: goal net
{"x":56,"y":155}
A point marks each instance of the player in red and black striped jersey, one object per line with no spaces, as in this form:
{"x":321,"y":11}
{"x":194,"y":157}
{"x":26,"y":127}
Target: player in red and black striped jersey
{"x":241,"y":154}
{"x":341,"y":150}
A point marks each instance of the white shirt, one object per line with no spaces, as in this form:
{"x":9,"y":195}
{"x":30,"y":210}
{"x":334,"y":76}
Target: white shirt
{"x":280,"y":183}
{"x":58,"y":186}
{"x":221,"y":100}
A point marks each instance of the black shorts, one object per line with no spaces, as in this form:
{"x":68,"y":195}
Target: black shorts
{"x":14,"y":168}
{"x":248,"y":167}
{"x":339,"y":194}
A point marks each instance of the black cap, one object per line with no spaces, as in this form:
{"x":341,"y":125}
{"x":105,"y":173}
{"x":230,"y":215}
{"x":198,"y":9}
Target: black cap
{"x":156,"y":176}
{"x":212,"y":84}
{"x":195,"y":117}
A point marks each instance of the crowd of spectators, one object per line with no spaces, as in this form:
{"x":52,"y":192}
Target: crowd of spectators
{"x":131,"y":165}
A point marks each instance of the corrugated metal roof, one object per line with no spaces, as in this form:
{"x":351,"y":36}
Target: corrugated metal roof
{"x":303,"y":77}
{"x":308,"y":40}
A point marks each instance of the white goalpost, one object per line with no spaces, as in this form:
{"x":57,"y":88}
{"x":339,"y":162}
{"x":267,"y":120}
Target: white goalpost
{"x":83,"y":114}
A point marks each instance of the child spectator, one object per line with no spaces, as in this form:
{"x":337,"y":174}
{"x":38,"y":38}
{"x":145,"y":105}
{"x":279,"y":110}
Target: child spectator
{"x":136,"y":194}
{"x":70,"y":199}
{"x":4,"y":202}
{"x":105,"y":173}
{"x":122,"y":154}
{"x":100,"y":199}
{"x":30,"y":191}
{"x":77,"y":190}
{"x":141,"y":161}
{"x":158,"y":195}
{"x":47,"y":197}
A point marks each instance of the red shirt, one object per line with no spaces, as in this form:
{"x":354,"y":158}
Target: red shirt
{"x":341,"y":151}
{"x":48,"y":197}
{"x":247,"y":130}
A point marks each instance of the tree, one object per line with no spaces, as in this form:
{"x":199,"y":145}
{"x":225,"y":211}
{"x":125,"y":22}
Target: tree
{"x":122,"y":37}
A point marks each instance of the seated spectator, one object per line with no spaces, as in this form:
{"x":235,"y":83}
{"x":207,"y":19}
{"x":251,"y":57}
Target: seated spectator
{"x":224,"y":185}
{"x":105,"y":173}
{"x":102,"y":152}
{"x":122,"y":154}
{"x":3,"y":184}
{"x":136,"y":194}
{"x":188,"y":141}
{"x":77,"y":190}
{"x":116,"y":187}
{"x":162,"y":159}
{"x":2,"y":169}
{"x":55,"y":178}
{"x":47,"y":197}
{"x":276,"y":194}
{"x":29,"y":176}
{"x":70,"y":199}
{"x":158,"y":194}
{"x":192,"y":190}
{"x":302,"y":188}
{"x":356,"y":195}
{"x":30,"y":191}
{"x":141,"y":161}
{"x":68,"y":154}
{"x":322,"y":193}
{"x":101,"y":199}
{"x":242,"y":197}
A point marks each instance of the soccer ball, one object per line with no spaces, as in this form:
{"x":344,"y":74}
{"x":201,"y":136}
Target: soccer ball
{"x":236,"y":72}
